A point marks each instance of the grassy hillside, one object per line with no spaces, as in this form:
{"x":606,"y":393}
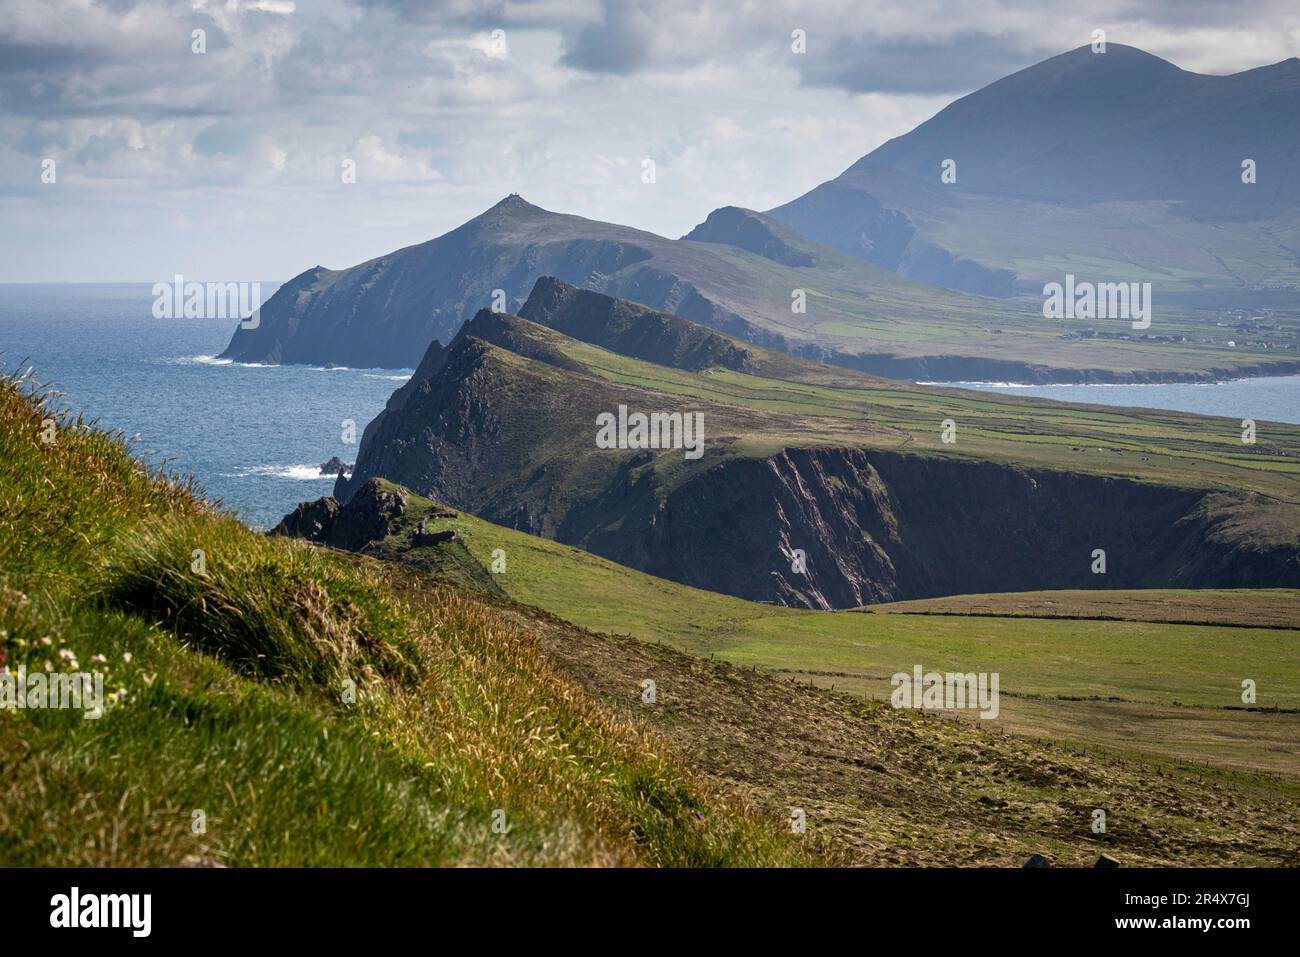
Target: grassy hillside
{"x":1140,"y":685}
{"x":835,"y":405}
{"x":233,"y":706}
{"x":787,"y":401}
{"x":887,"y":787}
{"x":884,"y":786}
{"x":916,"y":325}
{"x":228,"y":702}
{"x":893,"y":491}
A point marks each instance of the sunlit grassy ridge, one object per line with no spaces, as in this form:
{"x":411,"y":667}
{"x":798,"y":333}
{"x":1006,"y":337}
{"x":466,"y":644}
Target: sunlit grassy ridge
{"x":277,"y":704}
{"x":899,"y":490}
{"x":1165,"y":678}
{"x":827,"y":405}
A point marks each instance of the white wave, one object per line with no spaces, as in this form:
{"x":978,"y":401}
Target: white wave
{"x":300,"y":472}
{"x":390,"y":378}
{"x":987,"y":385}
{"x":215,"y":361}
{"x":197,"y":361}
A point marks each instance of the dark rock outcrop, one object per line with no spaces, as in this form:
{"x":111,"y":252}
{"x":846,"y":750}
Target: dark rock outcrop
{"x":335,"y":466}
{"x":313,"y":521}
{"x":367,"y":517}
{"x":425,"y":536}
{"x":386,"y":521}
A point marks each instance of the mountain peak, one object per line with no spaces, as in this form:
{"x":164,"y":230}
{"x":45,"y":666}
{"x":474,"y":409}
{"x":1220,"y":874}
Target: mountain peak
{"x":1050,"y":132}
{"x":511,"y":210}
{"x":1131,"y":64}
{"x":514,"y":203}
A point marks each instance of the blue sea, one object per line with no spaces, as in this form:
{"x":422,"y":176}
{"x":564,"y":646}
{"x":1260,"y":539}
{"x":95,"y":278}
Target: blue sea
{"x":254,"y":435}
{"x":1265,"y":399}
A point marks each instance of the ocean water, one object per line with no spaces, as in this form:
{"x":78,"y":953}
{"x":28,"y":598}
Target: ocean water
{"x":1267,"y":398}
{"x":251,"y":435}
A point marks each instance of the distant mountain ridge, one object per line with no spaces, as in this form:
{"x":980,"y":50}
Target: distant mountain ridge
{"x":631,"y":329}
{"x":1085,"y":131}
{"x":386,"y":311}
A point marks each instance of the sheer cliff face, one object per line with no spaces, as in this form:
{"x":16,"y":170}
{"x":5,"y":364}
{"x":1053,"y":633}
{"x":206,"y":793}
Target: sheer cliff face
{"x":879,"y":526}
{"x":510,"y":438}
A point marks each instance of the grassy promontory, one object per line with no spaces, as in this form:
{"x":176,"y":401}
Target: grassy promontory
{"x":274,"y":703}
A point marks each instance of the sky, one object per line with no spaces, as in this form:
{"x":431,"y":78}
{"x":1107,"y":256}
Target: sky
{"x":133,"y":149}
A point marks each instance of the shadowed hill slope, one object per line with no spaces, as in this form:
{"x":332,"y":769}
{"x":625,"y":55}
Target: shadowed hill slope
{"x":1038,"y":187}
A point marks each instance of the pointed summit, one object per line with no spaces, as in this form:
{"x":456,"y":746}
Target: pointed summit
{"x":514,"y":205}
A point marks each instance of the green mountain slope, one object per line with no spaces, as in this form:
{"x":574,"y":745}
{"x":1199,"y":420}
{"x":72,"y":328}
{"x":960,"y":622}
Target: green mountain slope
{"x":851,"y":470}
{"x":230,"y":738}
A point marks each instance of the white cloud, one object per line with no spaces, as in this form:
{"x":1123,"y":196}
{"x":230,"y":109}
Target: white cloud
{"x":245,"y":140}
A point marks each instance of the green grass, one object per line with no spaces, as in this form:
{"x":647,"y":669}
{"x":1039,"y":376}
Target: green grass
{"x":1246,"y":608}
{"x":316,"y":708}
{"x":535,"y":465}
{"x":803,"y":404}
{"x":1055,"y":671}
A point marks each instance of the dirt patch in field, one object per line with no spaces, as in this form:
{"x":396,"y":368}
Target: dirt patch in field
{"x":1240,"y":608}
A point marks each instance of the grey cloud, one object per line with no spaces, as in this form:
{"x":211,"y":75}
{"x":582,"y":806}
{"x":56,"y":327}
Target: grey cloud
{"x":484,"y":14}
{"x":619,"y":43}
{"x":873,"y":64}
{"x":32,"y":58}
{"x":293,"y":93}
{"x":99,"y":149}
{"x":224,"y":137}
